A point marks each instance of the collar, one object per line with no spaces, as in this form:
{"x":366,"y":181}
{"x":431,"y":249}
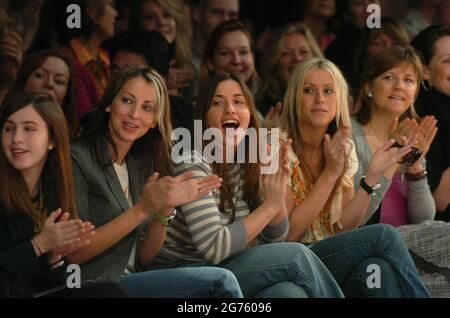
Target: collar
{"x":83,"y":55}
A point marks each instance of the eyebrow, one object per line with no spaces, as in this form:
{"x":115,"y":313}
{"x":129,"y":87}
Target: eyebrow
{"x":229,"y":48}
{"x":304,"y":46}
{"x":312,"y":84}
{"x":234,"y":95}
{"x":24,"y":122}
{"x":134,"y":97}
{"x":48,"y":71}
{"x":406,"y":74}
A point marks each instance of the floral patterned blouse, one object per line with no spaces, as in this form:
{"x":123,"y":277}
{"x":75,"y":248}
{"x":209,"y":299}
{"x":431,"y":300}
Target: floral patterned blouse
{"x":323,"y":225}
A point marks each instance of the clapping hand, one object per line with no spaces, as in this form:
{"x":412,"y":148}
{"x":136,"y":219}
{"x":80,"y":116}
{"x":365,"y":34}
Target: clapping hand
{"x":273,"y":117}
{"x":387,"y":156}
{"x":273,"y":186}
{"x":334,"y":149}
{"x":175,"y":191}
{"x":427,"y":131}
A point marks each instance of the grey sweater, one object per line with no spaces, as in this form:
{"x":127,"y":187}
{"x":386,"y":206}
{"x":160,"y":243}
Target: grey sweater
{"x":201,"y":232}
{"x":420,"y":205}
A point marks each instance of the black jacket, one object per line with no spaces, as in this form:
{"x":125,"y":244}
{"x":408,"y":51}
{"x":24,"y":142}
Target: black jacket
{"x":17,"y":253}
{"x":438,"y":157}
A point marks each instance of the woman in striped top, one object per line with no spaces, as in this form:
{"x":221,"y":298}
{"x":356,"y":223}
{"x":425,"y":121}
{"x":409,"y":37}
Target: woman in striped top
{"x":229,"y":227}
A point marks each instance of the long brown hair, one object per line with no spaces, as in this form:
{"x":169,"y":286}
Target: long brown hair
{"x":211,"y":47}
{"x":252,"y":170}
{"x":57,"y":173}
{"x":33,"y":62}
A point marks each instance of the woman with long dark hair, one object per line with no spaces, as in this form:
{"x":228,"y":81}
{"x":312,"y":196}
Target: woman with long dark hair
{"x":50,"y":73}
{"x":36,"y":180}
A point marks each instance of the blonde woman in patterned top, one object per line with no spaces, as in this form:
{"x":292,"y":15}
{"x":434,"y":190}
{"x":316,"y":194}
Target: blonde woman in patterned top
{"x":320,"y":196}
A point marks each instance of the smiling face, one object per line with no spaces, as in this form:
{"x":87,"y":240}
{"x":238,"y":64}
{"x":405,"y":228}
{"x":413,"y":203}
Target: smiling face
{"x":229,"y":111}
{"x":25,"y":141}
{"x":438,"y":70}
{"x":394,"y":91}
{"x":318,"y":102}
{"x":156,"y":18}
{"x":233,"y":55}
{"x":295,"y":50}
{"x":51,"y":78}
{"x":133,"y":111}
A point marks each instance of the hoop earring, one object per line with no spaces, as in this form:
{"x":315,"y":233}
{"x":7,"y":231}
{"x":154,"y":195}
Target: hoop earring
{"x":426,"y":85}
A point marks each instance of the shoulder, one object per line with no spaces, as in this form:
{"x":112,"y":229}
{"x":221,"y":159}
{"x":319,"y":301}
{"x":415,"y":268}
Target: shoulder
{"x":356,"y":127}
{"x":192,"y":161}
{"x":82,"y":159}
{"x":359,"y":138}
{"x":79,"y":150}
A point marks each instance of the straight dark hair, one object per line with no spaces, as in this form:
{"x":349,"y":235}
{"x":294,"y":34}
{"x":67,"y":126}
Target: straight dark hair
{"x":425,"y":41}
{"x":57,"y":173}
{"x":30,"y":64}
{"x":252,"y":170}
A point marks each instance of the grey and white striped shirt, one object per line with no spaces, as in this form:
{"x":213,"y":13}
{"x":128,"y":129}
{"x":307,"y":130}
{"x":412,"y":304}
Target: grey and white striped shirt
{"x":200,"y":232}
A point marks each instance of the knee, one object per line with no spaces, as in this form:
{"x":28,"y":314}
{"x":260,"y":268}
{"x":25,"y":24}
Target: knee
{"x":288,"y":252}
{"x":389,"y":234}
{"x":227,"y":282}
{"x":297,"y":257}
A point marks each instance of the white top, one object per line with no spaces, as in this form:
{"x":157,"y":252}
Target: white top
{"x":122,"y":174}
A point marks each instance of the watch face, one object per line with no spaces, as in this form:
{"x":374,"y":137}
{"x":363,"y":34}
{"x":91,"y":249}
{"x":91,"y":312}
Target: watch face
{"x":376,"y":186}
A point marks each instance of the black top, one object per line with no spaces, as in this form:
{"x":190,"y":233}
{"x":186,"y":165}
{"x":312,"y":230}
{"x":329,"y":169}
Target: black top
{"x":17,"y":252}
{"x":438,"y":157}
{"x":269,"y":100}
{"x":342,"y":51}
{"x":182,"y":111}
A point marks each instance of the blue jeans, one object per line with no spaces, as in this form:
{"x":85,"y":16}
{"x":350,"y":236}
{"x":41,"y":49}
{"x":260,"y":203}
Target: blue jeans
{"x":348,"y":255}
{"x":281,"y":270}
{"x":278,"y":270}
{"x":183,"y":282}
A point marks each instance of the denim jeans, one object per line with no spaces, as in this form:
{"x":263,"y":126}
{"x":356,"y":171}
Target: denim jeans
{"x":277,"y":270}
{"x":281,"y":270}
{"x":348,"y":255}
{"x":183,"y":282}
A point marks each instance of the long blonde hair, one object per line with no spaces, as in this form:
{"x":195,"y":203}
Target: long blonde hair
{"x":291,"y":113}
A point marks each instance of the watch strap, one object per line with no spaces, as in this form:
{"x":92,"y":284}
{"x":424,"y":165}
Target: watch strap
{"x":166,"y":220}
{"x":370,"y":190}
